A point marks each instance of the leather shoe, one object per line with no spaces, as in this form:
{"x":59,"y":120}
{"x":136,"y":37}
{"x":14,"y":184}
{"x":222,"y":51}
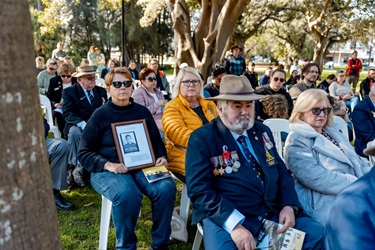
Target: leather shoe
{"x":62,"y":204}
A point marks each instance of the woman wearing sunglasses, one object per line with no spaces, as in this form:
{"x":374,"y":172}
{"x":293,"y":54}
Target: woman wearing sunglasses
{"x":148,"y":95}
{"x":186,"y":112}
{"x":110,"y":178}
{"x":275,"y":86}
{"x":322,"y":160}
{"x":55,"y":90}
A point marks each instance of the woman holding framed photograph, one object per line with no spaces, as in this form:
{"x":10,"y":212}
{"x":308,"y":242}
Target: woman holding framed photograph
{"x":112,"y":179}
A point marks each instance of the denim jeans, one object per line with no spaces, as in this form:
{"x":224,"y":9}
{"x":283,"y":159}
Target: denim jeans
{"x":125,"y":191}
{"x":351,"y":103}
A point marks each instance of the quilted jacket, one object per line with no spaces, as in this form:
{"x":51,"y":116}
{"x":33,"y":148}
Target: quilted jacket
{"x":179,"y":121}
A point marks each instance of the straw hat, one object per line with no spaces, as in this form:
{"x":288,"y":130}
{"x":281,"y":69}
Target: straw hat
{"x":236,"y":88}
{"x":84,"y":70}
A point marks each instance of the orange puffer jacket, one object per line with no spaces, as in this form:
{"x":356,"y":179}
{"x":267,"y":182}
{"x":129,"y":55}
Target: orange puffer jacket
{"x":179,"y":121}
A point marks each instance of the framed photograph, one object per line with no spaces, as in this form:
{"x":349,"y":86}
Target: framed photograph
{"x":133,"y":144}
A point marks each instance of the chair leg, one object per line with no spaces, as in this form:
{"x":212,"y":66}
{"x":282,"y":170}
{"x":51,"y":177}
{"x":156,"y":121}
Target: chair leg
{"x":198,"y":237}
{"x":184,"y":204}
{"x":105,"y":219}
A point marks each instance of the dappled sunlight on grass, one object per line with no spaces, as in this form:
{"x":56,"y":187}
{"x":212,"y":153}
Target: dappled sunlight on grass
{"x":79,"y":229}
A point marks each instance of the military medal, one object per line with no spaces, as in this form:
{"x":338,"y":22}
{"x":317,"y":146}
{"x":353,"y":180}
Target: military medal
{"x":267,"y":141}
{"x":226,"y":156}
{"x":221,"y":169}
{"x":228,"y":170}
{"x":215,"y":161}
{"x":236,"y":164}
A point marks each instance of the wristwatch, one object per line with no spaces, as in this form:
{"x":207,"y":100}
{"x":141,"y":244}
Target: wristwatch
{"x":295,"y":209}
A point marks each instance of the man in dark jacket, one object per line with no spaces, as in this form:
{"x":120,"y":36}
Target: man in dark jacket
{"x":324,"y":85}
{"x":351,"y":223}
{"x":363,"y":119}
{"x":80,"y":101}
{"x":367,"y":83}
{"x":235,"y":177}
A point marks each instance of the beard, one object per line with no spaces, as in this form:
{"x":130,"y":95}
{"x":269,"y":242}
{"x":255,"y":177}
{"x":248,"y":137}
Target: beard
{"x":242,"y":123}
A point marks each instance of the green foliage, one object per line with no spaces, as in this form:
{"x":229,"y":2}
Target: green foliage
{"x":81,"y":24}
{"x":79,"y":229}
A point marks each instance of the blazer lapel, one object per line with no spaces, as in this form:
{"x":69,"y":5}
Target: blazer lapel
{"x":82,"y":96}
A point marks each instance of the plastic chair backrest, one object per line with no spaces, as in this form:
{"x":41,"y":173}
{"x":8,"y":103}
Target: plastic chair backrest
{"x":45,"y":103}
{"x":278,"y":125}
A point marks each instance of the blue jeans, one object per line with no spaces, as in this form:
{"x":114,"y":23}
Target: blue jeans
{"x":350,"y":103}
{"x":125,"y":191}
{"x":215,"y":237}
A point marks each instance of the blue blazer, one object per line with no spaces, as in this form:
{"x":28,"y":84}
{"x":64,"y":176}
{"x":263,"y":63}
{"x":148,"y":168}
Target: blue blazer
{"x":77,"y":108}
{"x":363,"y":119}
{"x":215,"y":197}
{"x":352,"y":218}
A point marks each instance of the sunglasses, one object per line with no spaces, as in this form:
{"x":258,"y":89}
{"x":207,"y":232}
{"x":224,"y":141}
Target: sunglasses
{"x":126,"y":84}
{"x":188,"y":83}
{"x":51,"y":69}
{"x":150,"y":79}
{"x":91,"y":78}
{"x":317,"y":111}
{"x":65,"y":76}
{"x":276,"y":79}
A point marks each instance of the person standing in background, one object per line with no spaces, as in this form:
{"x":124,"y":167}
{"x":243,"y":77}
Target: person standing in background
{"x":236,"y":63}
{"x":92,"y":57}
{"x":353,"y":69}
{"x":58,"y":52}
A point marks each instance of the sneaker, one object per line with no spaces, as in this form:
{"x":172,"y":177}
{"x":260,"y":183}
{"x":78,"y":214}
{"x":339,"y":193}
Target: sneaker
{"x":78,"y":176}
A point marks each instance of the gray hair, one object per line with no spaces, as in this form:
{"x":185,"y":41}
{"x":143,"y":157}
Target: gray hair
{"x":51,"y":61}
{"x":222,"y":104}
{"x":180,"y":76}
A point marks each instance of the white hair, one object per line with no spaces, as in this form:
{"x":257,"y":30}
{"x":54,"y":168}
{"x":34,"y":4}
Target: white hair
{"x":178,"y":79}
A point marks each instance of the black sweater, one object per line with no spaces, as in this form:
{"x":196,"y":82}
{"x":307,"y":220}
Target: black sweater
{"x":97,"y":145}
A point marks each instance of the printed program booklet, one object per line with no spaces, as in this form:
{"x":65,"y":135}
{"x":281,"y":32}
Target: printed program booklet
{"x":156,"y":173}
{"x":292,"y":239}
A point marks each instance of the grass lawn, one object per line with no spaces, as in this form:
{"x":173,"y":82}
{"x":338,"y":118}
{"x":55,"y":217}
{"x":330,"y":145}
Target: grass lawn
{"x":79,"y":229}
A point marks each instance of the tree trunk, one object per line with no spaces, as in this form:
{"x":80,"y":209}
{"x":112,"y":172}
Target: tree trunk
{"x":28,"y":218}
{"x":209,"y":39}
{"x":318,"y":54}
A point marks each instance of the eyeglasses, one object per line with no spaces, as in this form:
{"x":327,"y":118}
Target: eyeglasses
{"x":276,"y":79}
{"x":65,"y":76}
{"x":188,"y":83}
{"x":150,"y":79}
{"x":126,"y":84}
{"x":52,"y":69}
{"x":318,"y":111}
{"x":313,"y":72}
{"x":90,"y":78}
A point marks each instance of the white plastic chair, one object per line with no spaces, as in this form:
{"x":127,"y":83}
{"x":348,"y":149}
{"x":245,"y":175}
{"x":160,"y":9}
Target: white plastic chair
{"x":341,"y":126}
{"x":45,"y":102}
{"x":198,"y":237}
{"x":184,"y":204}
{"x":277,"y":126}
{"x":100,"y":82}
{"x":105,"y":219}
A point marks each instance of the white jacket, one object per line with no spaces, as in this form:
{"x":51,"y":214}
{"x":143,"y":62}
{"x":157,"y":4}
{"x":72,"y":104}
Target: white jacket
{"x":320,"y":168}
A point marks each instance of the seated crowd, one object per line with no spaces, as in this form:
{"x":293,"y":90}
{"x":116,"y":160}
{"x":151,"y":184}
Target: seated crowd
{"x":212,"y":138}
